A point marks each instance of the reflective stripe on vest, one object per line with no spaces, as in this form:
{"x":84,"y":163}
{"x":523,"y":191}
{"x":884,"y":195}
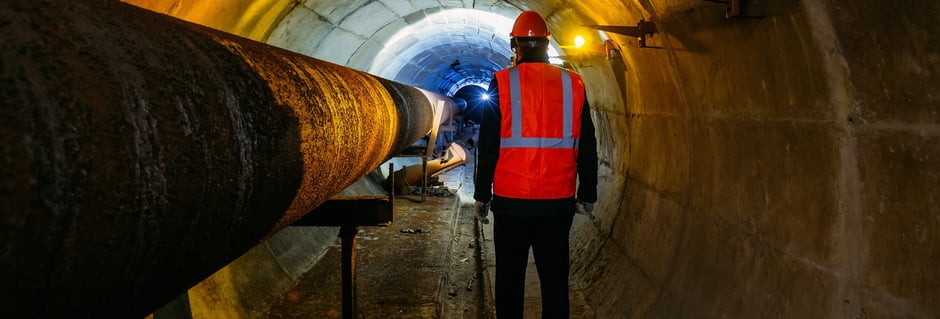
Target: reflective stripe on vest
{"x":517,"y":140}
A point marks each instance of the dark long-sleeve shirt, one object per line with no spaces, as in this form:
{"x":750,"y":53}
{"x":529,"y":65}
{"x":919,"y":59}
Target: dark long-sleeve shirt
{"x":488,"y":154}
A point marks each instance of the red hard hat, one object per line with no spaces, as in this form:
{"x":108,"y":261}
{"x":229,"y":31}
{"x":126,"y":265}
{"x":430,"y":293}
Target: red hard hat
{"x":529,"y":24}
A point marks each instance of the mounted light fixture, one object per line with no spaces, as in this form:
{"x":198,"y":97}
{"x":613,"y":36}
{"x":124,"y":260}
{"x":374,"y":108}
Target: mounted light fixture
{"x":642,"y":29}
{"x":578,"y":41}
{"x":607,"y":47}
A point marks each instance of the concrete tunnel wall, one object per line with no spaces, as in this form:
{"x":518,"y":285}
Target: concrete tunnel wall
{"x":783,"y":167}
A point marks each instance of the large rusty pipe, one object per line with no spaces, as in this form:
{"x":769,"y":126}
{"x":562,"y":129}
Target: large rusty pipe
{"x":141,"y":153}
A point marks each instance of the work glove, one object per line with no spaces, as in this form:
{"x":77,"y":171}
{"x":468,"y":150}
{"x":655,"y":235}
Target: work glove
{"x":480,"y":211}
{"x":584,"y":208}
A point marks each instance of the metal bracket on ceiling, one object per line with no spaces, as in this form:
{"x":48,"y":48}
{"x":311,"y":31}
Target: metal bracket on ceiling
{"x":642,"y":29}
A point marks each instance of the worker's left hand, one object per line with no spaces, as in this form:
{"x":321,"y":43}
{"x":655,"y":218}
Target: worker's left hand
{"x":584,"y":208}
{"x":480,"y":211}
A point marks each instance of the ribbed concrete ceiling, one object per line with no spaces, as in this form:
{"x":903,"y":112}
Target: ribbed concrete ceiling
{"x":436,"y":45}
{"x":446,"y":50}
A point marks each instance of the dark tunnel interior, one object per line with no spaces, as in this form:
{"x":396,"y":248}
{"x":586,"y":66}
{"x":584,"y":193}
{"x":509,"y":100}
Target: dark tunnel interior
{"x":758,"y":159}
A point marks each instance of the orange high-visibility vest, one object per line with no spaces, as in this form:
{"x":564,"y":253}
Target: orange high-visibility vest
{"x":540,"y":105}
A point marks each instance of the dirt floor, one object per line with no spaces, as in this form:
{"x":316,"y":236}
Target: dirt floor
{"x":424,"y":265}
{"x":433,"y":261}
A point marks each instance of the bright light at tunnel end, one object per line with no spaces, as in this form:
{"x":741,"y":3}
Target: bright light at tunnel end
{"x":485,"y":97}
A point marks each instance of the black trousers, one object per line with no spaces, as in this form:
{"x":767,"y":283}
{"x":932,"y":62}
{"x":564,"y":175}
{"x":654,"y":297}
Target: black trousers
{"x":548,"y":238}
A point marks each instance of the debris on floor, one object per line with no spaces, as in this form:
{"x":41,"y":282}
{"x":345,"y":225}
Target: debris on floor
{"x":415,"y":231}
{"x":435,"y":191}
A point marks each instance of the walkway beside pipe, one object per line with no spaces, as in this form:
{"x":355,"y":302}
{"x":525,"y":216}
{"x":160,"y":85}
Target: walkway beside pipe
{"x":435,"y":261}
{"x":424,"y":265}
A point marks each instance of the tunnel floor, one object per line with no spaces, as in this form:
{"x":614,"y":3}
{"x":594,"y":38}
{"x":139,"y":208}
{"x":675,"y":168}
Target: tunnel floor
{"x":433,"y":261}
{"x":412,"y":269}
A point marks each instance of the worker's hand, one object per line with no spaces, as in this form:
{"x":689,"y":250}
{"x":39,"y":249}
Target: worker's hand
{"x":480,"y":211}
{"x":584,"y":208}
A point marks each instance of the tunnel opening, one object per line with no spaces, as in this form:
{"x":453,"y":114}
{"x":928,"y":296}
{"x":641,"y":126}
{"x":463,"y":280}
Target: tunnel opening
{"x":476,"y":99}
{"x":446,"y":51}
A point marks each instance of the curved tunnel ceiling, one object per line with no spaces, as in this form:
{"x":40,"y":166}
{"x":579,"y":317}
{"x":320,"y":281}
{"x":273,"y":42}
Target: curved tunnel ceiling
{"x":446,"y":50}
{"x":431,"y":45}
{"x":439,"y":46}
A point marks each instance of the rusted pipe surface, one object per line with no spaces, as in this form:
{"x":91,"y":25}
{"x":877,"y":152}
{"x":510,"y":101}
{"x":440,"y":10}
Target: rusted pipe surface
{"x":140,"y":153}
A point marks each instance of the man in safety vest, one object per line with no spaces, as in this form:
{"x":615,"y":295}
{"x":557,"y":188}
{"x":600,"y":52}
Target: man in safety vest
{"x":536,"y":146}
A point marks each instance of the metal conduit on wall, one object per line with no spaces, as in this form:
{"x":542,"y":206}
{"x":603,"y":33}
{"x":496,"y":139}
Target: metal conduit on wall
{"x":141,"y":153}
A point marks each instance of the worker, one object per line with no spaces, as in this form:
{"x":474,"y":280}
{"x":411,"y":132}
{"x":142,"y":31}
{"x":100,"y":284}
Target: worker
{"x":536,"y":147}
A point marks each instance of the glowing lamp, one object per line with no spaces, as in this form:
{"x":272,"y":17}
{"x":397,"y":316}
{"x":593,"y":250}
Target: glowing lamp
{"x":578,"y":41}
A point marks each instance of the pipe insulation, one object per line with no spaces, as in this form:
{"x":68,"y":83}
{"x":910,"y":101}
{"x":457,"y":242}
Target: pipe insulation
{"x":140,"y":153}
